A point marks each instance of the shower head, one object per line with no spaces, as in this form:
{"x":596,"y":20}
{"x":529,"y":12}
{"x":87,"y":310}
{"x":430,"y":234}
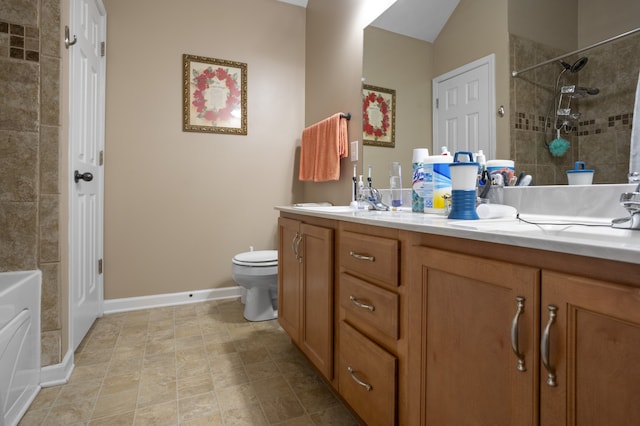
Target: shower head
{"x":577,"y":65}
{"x":581,"y":92}
{"x":590,"y":90}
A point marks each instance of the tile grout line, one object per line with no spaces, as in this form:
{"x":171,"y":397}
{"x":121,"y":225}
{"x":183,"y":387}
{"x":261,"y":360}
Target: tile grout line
{"x":213,"y":383}
{"x":113,"y":349}
{"x":144,"y":353}
{"x":175,"y":365}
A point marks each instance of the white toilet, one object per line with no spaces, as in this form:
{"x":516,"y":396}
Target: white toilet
{"x":257,"y":272}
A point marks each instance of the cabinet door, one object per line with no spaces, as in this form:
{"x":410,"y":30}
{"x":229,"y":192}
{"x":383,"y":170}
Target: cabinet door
{"x":289,"y":288}
{"x":470,"y":370}
{"x":594,"y":348}
{"x":316,"y":334}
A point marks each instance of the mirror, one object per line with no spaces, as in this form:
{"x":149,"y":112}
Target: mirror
{"x":403,"y":64}
{"x":598,"y":127}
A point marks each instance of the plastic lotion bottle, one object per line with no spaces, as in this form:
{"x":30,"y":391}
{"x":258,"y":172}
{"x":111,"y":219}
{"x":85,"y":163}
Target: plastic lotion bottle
{"x":395,"y":184}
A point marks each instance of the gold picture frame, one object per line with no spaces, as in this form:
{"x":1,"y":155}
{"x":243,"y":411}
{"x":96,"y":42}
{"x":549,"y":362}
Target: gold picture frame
{"x":214,"y":95}
{"x":378,"y":116}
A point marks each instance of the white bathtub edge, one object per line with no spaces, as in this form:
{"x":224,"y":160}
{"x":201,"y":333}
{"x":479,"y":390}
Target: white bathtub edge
{"x":25,"y":401}
{"x":159,"y":300}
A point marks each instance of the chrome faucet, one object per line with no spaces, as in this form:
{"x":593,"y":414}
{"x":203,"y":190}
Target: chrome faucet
{"x":371,"y":197}
{"x":631,"y":202}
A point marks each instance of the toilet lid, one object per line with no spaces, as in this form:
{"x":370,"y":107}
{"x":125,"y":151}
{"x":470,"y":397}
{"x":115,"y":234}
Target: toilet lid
{"x":257,"y":258}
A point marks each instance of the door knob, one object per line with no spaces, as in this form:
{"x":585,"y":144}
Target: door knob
{"x":87,"y":177}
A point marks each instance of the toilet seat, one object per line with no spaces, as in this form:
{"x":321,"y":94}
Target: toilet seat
{"x":258,"y":258}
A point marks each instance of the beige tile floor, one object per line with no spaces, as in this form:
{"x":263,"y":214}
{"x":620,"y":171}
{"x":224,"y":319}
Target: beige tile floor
{"x":199,"y":364}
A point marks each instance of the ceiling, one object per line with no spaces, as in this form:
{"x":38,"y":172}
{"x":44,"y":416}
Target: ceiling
{"x":421,"y":19}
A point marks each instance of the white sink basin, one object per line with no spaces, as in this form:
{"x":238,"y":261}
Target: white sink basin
{"x":326,"y":209}
{"x":563,"y":229}
{"x":591,"y":233}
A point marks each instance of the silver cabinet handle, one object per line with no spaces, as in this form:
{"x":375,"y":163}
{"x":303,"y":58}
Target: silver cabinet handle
{"x":359,"y":304}
{"x":544,"y":347}
{"x":514,"y":333}
{"x":362,"y":256}
{"x":295,"y":245}
{"x":355,"y":378}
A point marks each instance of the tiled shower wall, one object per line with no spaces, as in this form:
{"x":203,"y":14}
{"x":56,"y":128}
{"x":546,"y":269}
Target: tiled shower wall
{"x":600,"y":136}
{"x":29,"y":142}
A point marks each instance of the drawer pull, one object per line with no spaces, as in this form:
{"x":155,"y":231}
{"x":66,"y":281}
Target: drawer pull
{"x":514,"y":334}
{"x":544,"y":347}
{"x":355,"y":378}
{"x":295,"y":245}
{"x":359,"y":304}
{"x":362,"y":256}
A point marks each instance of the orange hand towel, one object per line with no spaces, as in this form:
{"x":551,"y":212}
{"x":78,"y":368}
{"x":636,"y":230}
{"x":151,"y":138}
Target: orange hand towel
{"x":323,"y":145}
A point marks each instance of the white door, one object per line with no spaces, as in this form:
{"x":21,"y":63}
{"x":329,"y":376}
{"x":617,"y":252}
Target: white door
{"x":86,"y":147}
{"x":463,"y":105}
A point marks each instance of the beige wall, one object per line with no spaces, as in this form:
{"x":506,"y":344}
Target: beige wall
{"x":549,"y":22}
{"x":572,"y":24}
{"x":599,"y":20}
{"x":474,"y":30}
{"x":179,"y":205}
{"x":405,"y":64}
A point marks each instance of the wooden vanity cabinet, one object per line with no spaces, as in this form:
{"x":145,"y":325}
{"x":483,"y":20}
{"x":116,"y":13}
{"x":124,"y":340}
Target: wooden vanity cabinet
{"x":472,"y":312}
{"x":433,"y":330}
{"x":306,"y":289}
{"x":584,"y":332}
{"x":369,"y":295}
{"x":594,"y":351}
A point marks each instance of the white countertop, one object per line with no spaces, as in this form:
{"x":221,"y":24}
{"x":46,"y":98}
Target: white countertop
{"x":600,"y":241}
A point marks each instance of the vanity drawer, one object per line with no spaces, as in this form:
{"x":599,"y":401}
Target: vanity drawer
{"x":369,"y":304}
{"x":367,"y":377}
{"x":375,"y":258}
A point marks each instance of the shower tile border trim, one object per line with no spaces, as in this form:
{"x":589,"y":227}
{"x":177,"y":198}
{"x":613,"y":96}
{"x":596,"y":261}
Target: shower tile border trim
{"x":22,"y":42}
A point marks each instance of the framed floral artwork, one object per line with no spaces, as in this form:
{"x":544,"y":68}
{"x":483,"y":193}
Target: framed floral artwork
{"x":214,"y":95}
{"x":378,"y":116}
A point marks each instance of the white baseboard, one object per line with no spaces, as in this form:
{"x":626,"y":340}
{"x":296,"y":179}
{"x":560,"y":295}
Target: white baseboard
{"x":57,"y":374}
{"x":159,"y":300}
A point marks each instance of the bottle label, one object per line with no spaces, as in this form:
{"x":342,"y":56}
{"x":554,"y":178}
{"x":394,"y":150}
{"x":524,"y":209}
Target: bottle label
{"x":437,"y":184}
{"x":417,"y":188}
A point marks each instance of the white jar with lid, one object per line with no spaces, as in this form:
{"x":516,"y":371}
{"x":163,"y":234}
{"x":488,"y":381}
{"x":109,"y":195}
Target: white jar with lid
{"x":497,"y":165}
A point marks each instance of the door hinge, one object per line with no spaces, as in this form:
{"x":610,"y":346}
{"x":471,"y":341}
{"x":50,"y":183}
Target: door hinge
{"x":100,"y":266}
{"x":101,"y":158}
{"x":437,"y":103}
{"x":103,"y":48}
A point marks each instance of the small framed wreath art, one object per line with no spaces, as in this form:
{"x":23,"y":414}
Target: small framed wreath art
{"x":214,"y":95}
{"x":378,"y":116}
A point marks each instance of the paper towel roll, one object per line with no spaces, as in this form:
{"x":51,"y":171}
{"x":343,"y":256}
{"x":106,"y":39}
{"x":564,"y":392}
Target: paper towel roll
{"x":493,"y":211}
{"x":419,"y":154}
